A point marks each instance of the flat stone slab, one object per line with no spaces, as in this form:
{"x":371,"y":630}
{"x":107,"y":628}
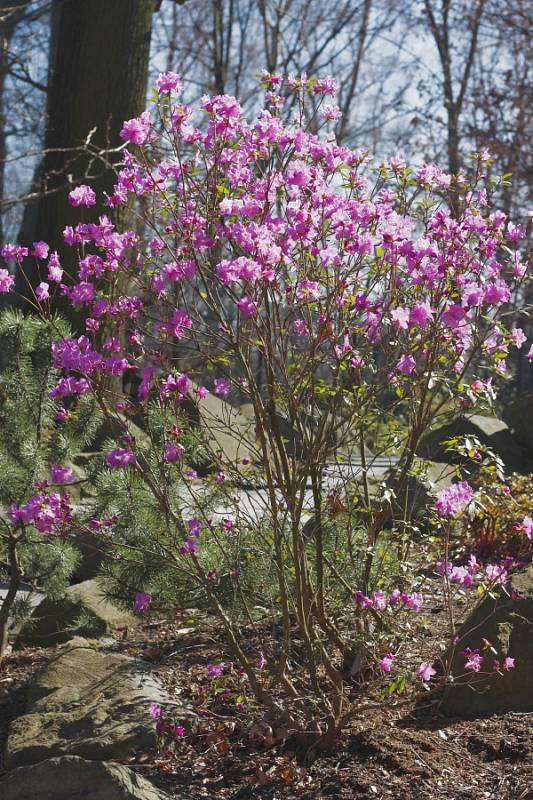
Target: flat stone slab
{"x":89,"y":703}
{"x":74,"y":778}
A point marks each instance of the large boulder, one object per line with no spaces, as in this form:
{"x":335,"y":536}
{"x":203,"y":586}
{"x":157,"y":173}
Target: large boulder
{"x":225,"y":430}
{"x":74,"y":778}
{"x":86,"y":702}
{"x":508,"y":625}
{"x":519,"y":417}
{"x":490,"y":431}
{"x":83,"y":611}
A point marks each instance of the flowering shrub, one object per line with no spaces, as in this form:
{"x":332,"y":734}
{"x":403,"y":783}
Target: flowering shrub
{"x":279,"y":269}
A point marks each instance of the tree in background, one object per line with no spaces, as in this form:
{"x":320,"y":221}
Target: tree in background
{"x":99,"y":54}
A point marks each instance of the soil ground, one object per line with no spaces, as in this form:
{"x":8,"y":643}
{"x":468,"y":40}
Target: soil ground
{"x":398,"y":750}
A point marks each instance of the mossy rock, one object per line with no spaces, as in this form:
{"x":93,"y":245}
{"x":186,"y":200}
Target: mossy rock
{"x":74,"y":778}
{"x":83,"y":611}
{"x":508,"y":625}
{"x":89,"y":703}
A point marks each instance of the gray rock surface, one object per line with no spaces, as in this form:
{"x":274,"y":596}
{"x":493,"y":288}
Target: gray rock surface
{"x":519,"y":417}
{"x":508,"y":625}
{"x":83,"y":611}
{"x":74,"y":778}
{"x":490,"y":431}
{"x":89,"y":703}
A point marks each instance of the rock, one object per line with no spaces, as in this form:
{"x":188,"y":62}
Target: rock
{"x":508,"y":625}
{"x":115,"y":426}
{"x":89,"y":703}
{"x":226,"y":430}
{"x":519,"y":417}
{"x":74,"y":778}
{"x":490,"y":431}
{"x":428,"y":478}
{"x":83,"y":611}
{"x":92,"y":551}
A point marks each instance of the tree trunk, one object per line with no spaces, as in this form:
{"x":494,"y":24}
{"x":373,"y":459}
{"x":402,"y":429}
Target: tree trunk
{"x":99,"y":55}
{"x":9,"y":18}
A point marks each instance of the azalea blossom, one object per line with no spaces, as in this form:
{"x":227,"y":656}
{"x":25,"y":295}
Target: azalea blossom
{"x":425,"y":672}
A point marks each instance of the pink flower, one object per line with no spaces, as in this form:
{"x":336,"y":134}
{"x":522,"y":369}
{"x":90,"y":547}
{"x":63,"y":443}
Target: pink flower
{"x":508,"y":663}
{"x":173,"y":452}
{"x":123,"y":457}
{"x":406,"y":364}
{"x":137,"y":130}
{"x":41,"y":292}
{"x":6,"y":281}
{"x":55,"y":273}
{"x":142,"y":602}
{"x":155,"y":711}
{"x":474,"y":659}
{"x":215,"y":670}
{"x":425,"y":672}
{"x":40,"y":250}
{"x":61,"y":475}
{"x":400,"y":318}
{"x":14,"y":252}
{"x":308,"y":290}
{"x":300,"y":328}
{"x":330,"y":112}
{"x":222,"y":387}
{"x":420,"y":314}
{"x":453,"y":499}
{"x":261,"y":663}
{"x":386,"y":662}
{"x":360,"y":599}
{"x":379,"y":601}
{"x":247,"y":307}
{"x":518,"y":337}
{"x":168,"y":82}
{"x":415,"y":601}
{"x":527,"y":527}
{"x":82,"y":196}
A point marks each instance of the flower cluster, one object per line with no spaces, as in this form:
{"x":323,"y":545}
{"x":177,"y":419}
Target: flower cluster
{"x":454,"y":499}
{"x":379,"y":600}
{"x":164,"y":725}
{"x":49,"y":512}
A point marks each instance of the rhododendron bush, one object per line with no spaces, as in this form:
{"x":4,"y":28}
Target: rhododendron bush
{"x":340,"y":300}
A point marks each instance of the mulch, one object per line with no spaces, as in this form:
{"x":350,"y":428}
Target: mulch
{"x":398,"y":750}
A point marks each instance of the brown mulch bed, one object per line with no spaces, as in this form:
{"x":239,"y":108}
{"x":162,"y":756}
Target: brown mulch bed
{"x":395,"y":750}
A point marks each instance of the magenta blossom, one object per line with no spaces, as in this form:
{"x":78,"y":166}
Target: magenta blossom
{"x":527,"y":527}
{"x":425,"y":672}
{"x":142,"y":603}
{"x":40,"y":250}
{"x":222,"y":386}
{"x":123,"y":457}
{"x":215,"y":670}
{"x":386,"y":662}
{"x":61,"y":474}
{"x":41,"y":292}
{"x":82,"y":196}
{"x":7,"y":281}
{"x":406,"y":364}
{"x":453,"y":499}
{"x":168,"y":82}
